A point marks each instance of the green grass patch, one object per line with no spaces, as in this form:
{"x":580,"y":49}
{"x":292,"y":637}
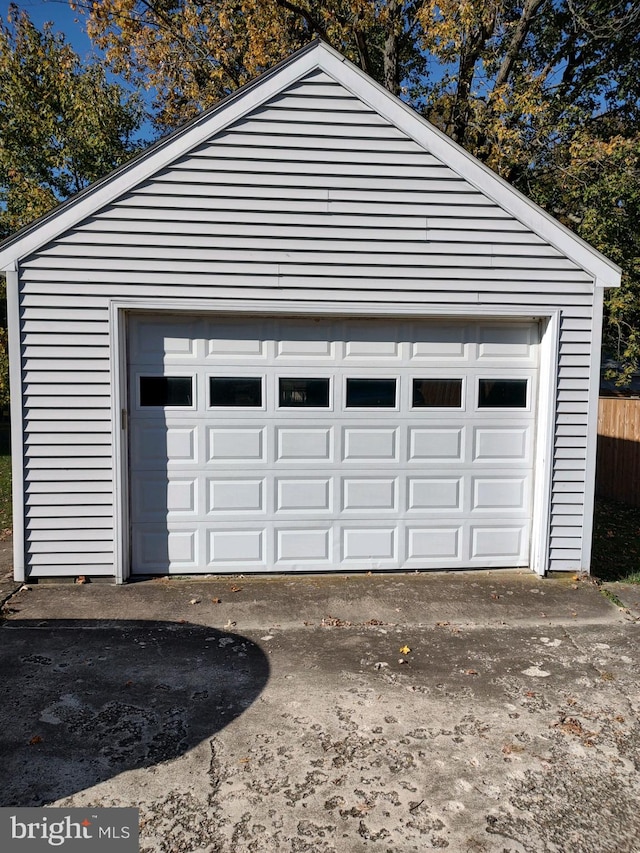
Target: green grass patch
{"x":5,"y":496}
{"x":5,"y":482}
{"x":616,"y":542}
{"x":613,"y":598}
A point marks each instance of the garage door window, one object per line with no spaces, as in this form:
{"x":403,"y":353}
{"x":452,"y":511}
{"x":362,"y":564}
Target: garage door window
{"x":371,"y":393}
{"x":231,"y":391}
{"x":437,"y":393}
{"x":304,"y":393}
{"x":166,"y":391}
{"x":502,"y":394}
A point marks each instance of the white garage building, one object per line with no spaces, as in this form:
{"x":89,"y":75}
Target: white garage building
{"x":307,"y":332}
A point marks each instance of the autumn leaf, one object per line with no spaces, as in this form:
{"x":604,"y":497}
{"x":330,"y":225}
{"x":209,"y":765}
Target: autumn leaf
{"x":404,"y":650}
{"x":35,"y":739}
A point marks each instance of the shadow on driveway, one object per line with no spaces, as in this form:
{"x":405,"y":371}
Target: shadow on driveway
{"x":87,"y":700}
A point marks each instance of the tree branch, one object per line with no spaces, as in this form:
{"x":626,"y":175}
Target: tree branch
{"x":306,"y":15}
{"x":528,"y":12}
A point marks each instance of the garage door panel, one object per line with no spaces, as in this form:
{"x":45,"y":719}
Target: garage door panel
{"x":164,"y":339}
{"x":236,"y":444}
{"x":508,"y":494}
{"x":439,"y":343}
{"x":436,"y":444}
{"x":155,"y":495}
{"x":230,"y":339}
{"x":295,"y":494}
{"x":366,"y":341}
{"x":305,"y":342}
{"x":370,"y":444}
{"x":154,"y":444}
{"x":373,"y":544}
{"x":497,"y":343}
{"x":497,"y":542}
{"x":387,"y":482}
{"x":159,"y":549}
{"x":236,"y":495}
{"x":304,"y":443}
{"x":428,"y":543}
{"x":502,"y":444}
{"x":234,"y":546}
{"x":442,"y":494}
{"x":369,"y":493}
{"x":304,"y":545}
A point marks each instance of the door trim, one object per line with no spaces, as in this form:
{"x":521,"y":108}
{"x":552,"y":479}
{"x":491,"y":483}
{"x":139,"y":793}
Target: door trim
{"x":549,"y":341}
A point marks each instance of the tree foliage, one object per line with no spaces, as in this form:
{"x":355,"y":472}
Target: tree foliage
{"x":62,"y":123}
{"x":546,"y":92}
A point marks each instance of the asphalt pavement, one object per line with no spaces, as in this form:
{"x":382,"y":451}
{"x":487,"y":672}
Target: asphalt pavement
{"x":487,"y":712}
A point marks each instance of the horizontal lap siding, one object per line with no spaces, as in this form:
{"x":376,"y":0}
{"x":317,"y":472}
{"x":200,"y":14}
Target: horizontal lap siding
{"x":313,"y":196}
{"x":68,"y":461}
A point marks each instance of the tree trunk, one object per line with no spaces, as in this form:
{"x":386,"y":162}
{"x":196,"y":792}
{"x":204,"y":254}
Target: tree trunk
{"x":390,"y":53}
{"x":528,"y":11}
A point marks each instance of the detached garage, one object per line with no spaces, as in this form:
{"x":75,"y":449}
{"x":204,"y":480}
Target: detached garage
{"x":307,"y":332}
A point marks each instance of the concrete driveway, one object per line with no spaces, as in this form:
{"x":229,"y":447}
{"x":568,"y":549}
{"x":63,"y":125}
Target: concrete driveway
{"x":480,"y":713}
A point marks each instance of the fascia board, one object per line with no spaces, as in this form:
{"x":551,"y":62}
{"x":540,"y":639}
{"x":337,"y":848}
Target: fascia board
{"x":605,"y":271}
{"x":149,"y":163}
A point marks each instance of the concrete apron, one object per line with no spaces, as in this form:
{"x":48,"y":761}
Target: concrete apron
{"x":490,"y":712}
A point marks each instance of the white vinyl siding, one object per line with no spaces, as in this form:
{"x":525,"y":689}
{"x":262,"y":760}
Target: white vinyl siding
{"x":312,"y":197}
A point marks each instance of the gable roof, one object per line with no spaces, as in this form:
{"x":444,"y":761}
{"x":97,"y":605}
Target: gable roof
{"x":316,"y":55}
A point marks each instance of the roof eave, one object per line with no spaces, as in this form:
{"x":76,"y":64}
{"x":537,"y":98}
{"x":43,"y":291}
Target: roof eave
{"x":316,"y":54}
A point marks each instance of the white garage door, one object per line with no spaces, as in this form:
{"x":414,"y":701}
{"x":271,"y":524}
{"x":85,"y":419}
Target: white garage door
{"x":304,"y":444}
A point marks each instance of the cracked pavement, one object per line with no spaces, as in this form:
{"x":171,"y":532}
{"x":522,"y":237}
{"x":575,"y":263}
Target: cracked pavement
{"x":489,"y":712}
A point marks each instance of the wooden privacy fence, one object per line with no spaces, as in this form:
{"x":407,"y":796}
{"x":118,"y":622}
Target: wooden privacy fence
{"x":618,"y":460}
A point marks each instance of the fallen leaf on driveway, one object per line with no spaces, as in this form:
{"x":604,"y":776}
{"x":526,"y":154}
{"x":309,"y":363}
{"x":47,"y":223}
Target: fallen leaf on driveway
{"x":216,"y":600}
{"x":35,"y":739}
{"x":471,"y":672}
{"x":334,"y":622}
{"x":195,"y":601}
{"x":405,"y":650}
{"x":572,"y":726}
{"x":508,"y":748}
{"x":236,"y":589}
{"x":81,"y":579}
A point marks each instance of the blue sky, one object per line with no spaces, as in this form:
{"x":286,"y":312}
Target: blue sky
{"x":72,"y":24}
{"x":63,"y":18}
